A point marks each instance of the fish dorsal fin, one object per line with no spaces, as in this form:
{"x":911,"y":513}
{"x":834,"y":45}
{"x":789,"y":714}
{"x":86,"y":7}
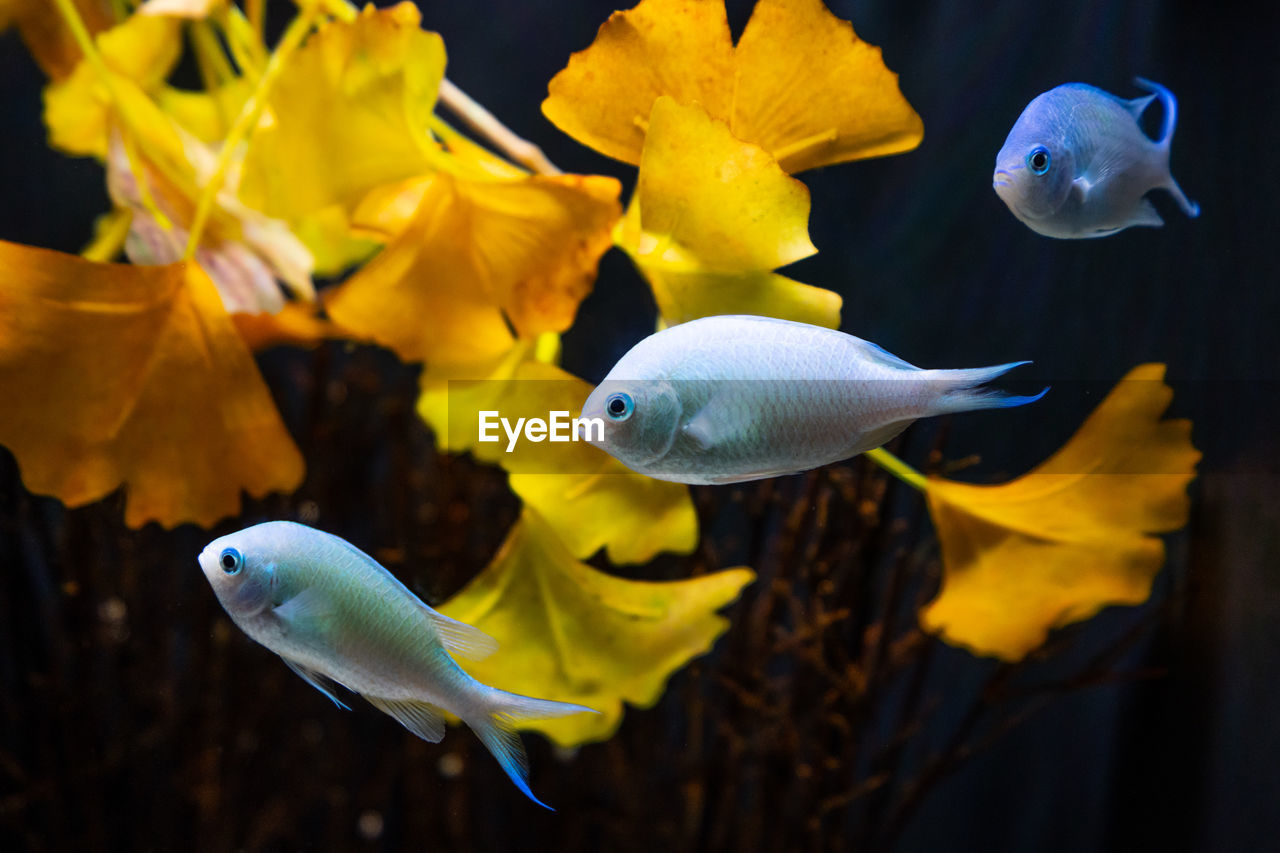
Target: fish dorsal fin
{"x":880,"y":355}
{"x":422,"y":718}
{"x":315,"y":679}
{"x":461,"y":639}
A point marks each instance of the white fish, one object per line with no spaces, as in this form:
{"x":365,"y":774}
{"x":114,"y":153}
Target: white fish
{"x":734,"y":398}
{"x":1077,"y":164}
{"x":334,"y":614}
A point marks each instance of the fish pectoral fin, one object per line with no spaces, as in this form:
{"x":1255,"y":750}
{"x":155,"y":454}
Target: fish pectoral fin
{"x":717,"y":422}
{"x":1080,"y":189}
{"x":422,"y":718}
{"x":461,"y":639}
{"x":308,"y":609}
{"x":698,"y":430}
{"x":315,"y":679}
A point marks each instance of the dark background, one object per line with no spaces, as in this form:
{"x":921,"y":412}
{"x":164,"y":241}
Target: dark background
{"x":134,"y":717}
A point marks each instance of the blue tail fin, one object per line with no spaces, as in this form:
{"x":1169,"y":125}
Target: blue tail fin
{"x":500,"y":739}
{"x":965,"y":393}
{"x":497,"y":731}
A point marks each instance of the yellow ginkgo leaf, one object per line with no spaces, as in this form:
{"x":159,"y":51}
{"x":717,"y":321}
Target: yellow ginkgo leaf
{"x":134,"y":376}
{"x":571,"y":633}
{"x":1058,"y":544}
{"x":800,"y":83}
{"x":138,"y":54}
{"x":586,"y":496}
{"x":709,"y":200}
{"x":366,"y":89}
{"x":478,"y":258}
{"x":711,"y":217}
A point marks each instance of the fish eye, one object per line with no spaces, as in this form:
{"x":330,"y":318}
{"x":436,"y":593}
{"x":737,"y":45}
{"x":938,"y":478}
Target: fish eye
{"x":231,"y":561}
{"x":619,"y":406}
{"x":1038,"y":160}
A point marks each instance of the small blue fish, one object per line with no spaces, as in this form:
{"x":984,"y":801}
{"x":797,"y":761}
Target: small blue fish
{"x":333,"y":613}
{"x":1077,"y":163}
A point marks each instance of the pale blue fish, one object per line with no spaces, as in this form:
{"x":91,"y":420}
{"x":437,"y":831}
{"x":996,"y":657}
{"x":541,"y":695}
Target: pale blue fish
{"x":335,"y":615}
{"x":734,"y":398}
{"x":1077,"y":163}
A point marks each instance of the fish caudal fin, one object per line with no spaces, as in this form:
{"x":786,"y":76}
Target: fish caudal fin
{"x":964,"y":393}
{"x":1170,"y":105}
{"x":497,"y":731}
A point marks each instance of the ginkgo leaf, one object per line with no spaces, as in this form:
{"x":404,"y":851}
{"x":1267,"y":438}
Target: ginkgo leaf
{"x":46,"y":35}
{"x":138,"y":55}
{"x":586,"y":496}
{"x":347,"y":114}
{"x":711,"y":217}
{"x":800,"y":83}
{"x":477,"y":259}
{"x":134,"y":376}
{"x":243,"y":251}
{"x":570,"y":633}
{"x":712,"y":201}
{"x":1058,"y":544}
{"x":296,"y":324}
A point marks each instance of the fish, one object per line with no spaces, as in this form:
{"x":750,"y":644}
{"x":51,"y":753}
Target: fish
{"x":335,"y":615}
{"x":728,"y":399}
{"x":1077,"y":164}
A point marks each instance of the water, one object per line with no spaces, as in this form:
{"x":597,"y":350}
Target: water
{"x":134,"y":716}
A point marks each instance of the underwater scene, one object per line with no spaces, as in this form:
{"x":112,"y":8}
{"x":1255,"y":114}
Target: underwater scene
{"x":553,"y":425}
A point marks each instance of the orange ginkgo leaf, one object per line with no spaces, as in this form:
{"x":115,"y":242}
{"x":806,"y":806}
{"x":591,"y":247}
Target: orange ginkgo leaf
{"x":799,"y":83}
{"x":134,"y":376}
{"x":478,"y":259}
{"x":1058,"y":544}
{"x":46,"y":34}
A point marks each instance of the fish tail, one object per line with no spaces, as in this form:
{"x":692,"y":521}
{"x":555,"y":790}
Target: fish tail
{"x":1170,"y":105}
{"x":496,"y":731}
{"x":964,"y":393}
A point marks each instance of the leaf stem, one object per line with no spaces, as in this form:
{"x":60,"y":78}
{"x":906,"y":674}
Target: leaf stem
{"x":84,"y":41}
{"x":898,"y":468}
{"x":244,"y":125}
{"x":487,"y":125}
{"x":257,"y":14}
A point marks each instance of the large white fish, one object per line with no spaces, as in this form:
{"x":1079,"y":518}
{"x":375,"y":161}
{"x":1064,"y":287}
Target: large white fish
{"x":733,"y":398}
{"x":333,"y":613}
{"x":1077,"y":164}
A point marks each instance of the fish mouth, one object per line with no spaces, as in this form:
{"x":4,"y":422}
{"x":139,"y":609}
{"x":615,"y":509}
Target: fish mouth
{"x":1001,"y":179}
